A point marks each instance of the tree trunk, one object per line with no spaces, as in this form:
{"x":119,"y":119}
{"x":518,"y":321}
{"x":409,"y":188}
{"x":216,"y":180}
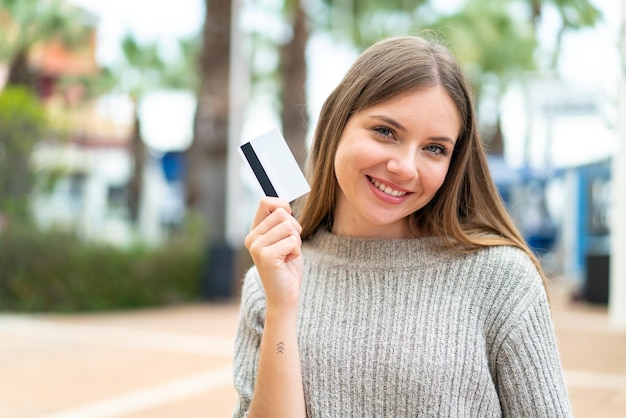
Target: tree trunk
{"x":207,"y":155}
{"x":19,"y":73}
{"x":294,"y":113}
{"x":496,"y":140}
{"x":135,"y":186}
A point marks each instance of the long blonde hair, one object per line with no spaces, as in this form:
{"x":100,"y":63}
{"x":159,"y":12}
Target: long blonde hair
{"x":467,"y":208}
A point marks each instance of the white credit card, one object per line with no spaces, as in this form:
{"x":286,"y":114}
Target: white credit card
{"x":274,"y":166}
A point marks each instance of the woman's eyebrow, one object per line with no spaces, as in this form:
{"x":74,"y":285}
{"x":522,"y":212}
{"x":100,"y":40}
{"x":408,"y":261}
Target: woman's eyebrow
{"x":390,"y":121}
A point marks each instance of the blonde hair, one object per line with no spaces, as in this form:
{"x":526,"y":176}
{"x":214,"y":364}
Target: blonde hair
{"x":467,"y":209}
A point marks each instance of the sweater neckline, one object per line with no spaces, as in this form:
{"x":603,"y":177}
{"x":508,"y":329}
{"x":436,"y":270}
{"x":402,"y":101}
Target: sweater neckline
{"x":367,"y":253}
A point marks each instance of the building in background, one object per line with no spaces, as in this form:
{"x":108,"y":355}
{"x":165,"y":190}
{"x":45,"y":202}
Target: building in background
{"x":88,"y":162}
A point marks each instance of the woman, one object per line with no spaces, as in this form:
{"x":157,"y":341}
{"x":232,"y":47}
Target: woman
{"x":403,"y":288}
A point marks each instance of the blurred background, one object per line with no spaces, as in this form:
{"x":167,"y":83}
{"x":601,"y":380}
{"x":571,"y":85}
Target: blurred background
{"x":121,"y":187}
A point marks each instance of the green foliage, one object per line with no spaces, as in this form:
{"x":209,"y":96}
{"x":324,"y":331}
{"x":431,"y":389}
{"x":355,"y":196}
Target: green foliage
{"x":55,"y":271}
{"x":364,"y":22}
{"x":494,"y":44}
{"x":32,"y":21}
{"x":182,"y":71}
{"x":145,"y":68}
{"x":577,"y":14}
{"x":23,"y":123}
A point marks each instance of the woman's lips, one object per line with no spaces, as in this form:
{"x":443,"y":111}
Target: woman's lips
{"x":388,"y":190}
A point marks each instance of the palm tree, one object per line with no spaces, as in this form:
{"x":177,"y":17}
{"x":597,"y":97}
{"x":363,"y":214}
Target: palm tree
{"x":574,"y":15}
{"x":139,"y":74}
{"x":293,"y":70}
{"x":364,"y":22}
{"x":25,"y":23}
{"x":143,"y":70}
{"x":207,"y":156}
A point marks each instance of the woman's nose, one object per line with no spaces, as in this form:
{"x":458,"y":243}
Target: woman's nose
{"x":403,"y":164}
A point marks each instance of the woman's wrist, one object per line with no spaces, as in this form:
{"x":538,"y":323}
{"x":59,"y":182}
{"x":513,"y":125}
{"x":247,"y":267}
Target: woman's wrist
{"x":281,"y":313}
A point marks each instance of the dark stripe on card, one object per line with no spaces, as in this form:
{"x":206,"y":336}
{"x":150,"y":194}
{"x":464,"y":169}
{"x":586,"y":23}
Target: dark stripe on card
{"x":258,"y":170}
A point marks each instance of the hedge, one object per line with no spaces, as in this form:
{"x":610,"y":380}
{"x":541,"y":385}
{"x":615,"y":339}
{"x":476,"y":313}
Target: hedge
{"x":56,"y":271}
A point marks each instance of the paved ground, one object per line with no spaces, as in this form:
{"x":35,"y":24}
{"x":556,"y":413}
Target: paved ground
{"x":175,"y":363}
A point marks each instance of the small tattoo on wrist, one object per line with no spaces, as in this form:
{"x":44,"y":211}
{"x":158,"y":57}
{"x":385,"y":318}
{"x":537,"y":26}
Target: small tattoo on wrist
{"x":280,"y":348}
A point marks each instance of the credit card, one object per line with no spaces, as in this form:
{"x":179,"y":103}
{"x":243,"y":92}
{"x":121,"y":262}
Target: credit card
{"x":274,"y":166}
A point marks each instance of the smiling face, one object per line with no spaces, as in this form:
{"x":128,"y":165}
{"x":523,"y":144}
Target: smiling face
{"x":391,"y":160}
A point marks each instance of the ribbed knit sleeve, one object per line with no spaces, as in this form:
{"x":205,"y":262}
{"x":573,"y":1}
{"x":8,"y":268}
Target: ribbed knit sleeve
{"x":248,"y":340}
{"x":529,"y":377}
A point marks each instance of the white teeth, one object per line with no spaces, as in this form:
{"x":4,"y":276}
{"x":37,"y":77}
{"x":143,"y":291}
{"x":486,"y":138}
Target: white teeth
{"x":386,"y":189}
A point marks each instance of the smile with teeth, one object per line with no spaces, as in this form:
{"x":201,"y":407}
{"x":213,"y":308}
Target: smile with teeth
{"x":386,"y":189}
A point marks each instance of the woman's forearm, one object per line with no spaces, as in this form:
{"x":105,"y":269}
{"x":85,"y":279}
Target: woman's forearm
{"x":278,"y":388}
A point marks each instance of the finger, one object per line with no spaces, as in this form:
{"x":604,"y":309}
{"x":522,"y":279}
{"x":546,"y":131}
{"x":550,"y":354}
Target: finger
{"x":281,"y":251}
{"x":278,"y":216}
{"x":274,"y":228}
{"x":267,"y":206}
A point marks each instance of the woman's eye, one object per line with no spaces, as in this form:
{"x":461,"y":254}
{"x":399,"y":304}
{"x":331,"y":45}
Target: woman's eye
{"x":436,"y":149}
{"x":384,"y":131}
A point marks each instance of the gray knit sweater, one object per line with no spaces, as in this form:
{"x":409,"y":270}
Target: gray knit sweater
{"x":404,"y":328}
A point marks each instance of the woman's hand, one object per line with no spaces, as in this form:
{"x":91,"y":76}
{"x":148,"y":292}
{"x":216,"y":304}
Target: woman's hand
{"x":276,"y":247}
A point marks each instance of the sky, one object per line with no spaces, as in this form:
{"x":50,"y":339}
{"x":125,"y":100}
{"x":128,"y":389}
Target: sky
{"x":589,"y":64}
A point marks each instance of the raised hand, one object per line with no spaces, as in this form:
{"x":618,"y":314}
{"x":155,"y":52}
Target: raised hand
{"x":276,"y":247}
